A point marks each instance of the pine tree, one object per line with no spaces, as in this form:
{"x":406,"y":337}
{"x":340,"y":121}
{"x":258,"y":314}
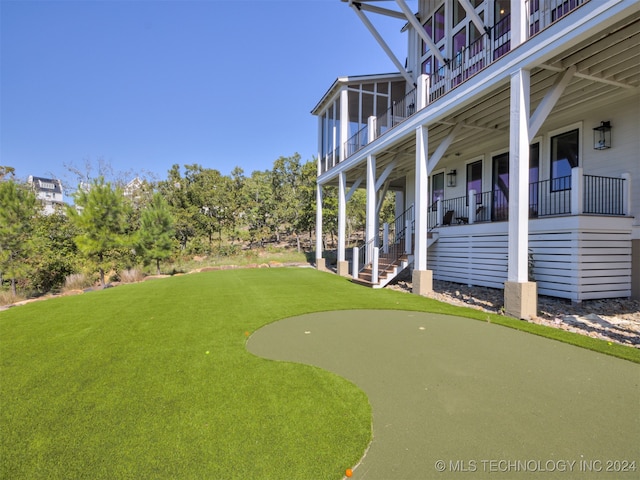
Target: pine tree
{"x":99,"y":213}
{"x":17,"y":209}
{"x":156,"y":234}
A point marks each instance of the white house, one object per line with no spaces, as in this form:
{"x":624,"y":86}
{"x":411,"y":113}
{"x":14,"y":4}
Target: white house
{"x":511,"y":137}
{"x":49,"y":192}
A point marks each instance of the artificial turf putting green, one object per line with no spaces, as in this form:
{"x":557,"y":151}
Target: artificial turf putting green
{"x":118,"y":384}
{"x":484,"y":400}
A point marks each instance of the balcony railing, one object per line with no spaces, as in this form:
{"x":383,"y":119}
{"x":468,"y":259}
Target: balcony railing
{"x":398,"y":113}
{"x":357,"y":141}
{"x":555,"y":197}
{"x":603,"y":195}
{"x":465,"y":64}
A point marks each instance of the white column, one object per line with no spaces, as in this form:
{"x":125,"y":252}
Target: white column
{"x":319,"y":259}
{"x":400,"y":206}
{"x":344,"y":122}
{"x":422,"y":92}
{"x":626,"y":193}
{"x":422,"y":197}
{"x":472,"y":206}
{"x":374,"y":265}
{"x":519,"y":21}
{"x":321,"y":166}
{"x":577,"y":191}
{"x":356,"y":267}
{"x":407,"y":222}
{"x":342,"y":215}
{"x":370,"y":228}
{"x":385,"y":238}
{"x":519,"y":178}
{"x":520,"y":295}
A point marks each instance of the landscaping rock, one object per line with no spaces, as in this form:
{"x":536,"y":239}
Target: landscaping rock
{"x":613,"y":320}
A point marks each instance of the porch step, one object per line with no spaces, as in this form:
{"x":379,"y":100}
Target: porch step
{"x":387,"y":271}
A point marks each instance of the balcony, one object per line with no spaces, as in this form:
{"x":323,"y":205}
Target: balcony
{"x":577,"y":194}
{"x":486,"y":50}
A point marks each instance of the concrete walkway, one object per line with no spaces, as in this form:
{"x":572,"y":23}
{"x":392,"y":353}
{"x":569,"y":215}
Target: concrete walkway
{"x":458,"y":398}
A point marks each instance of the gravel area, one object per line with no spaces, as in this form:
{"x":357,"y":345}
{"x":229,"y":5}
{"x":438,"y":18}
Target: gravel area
{"x":614,"y":320}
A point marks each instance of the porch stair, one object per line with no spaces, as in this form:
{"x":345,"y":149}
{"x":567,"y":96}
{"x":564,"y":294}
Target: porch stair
{"x":389,"y":265}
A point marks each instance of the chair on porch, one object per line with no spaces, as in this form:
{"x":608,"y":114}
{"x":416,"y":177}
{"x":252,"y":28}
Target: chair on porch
{"x":448,"y":217}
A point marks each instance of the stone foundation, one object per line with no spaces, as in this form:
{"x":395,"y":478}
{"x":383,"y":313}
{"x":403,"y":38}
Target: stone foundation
{"x":343,"y":268}
{"x":521,"y":299}
{"x":422,"y":282}
{"x":321,"y":264}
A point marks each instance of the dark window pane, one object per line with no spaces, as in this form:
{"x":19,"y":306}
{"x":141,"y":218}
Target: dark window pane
{"x":564,"y":157}
{"x":438,"y":33}
{"x":437,"y":187}
{"x":458,"y":13}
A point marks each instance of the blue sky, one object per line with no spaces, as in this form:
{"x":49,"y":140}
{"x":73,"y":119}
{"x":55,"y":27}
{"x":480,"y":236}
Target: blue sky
{"x":145,"y":84}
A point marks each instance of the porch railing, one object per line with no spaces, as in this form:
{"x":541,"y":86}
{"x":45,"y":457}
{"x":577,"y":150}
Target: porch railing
{"x":550,"y":197}
{"x":398,"y":112}
{"x":600,"y":196}
{"x":603,"y":195}
{"x":397,"y":240}
{"x":357,"y":141}
{"x":479,"y":54}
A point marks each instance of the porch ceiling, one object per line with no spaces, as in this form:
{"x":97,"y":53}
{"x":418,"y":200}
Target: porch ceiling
{"x":607,"y":69}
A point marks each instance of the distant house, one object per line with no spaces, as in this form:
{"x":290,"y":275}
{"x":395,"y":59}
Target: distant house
{"x":510,"y":139}
{"x":49,"y":191}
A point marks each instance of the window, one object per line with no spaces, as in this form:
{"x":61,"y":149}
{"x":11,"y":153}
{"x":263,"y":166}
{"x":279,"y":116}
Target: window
{"x":437,"y":188}
{"x":459,"y":13}
{"x":564,"y":157}
{"x":438,"y":33}
{"x":428,"y":27}
{"x":426,"y":66}
{"x":474,"y":180}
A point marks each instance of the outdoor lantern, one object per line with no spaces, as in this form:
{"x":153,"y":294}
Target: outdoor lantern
{"x":602,"y":136}
{"x":451,"y":178}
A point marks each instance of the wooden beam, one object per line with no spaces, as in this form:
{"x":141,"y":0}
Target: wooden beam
{"x":382,"y":11}
{"x":475,"y":18}
{"x":593,"y":78}
{"x":415,"y":23}
{"x":549,"y":101}
{"x":382,"y":43}
{"x":385,"y":174}
{"x":353,"y":188}
{"x":442,"y":148}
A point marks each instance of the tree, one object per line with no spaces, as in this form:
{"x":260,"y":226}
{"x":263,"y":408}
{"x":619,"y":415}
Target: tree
{"x":210,"y":192}
{"x":176,"y":191}
{"x":156,"y":234}
{"x":258,"y":207}
{"x":55,"y":254}
{"x":17,"y":209}
{"x":293,"y":192}
{"x":99,"y":214}
{"x":6,"y":171}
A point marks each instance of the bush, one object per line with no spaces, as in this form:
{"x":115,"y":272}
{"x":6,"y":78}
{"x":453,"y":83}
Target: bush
{"x":131,"y":275}
{"x":78,"y":281}
{"x":8,"y":298}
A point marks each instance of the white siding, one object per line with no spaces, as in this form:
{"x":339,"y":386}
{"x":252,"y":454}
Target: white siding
{"x":577,"y":258}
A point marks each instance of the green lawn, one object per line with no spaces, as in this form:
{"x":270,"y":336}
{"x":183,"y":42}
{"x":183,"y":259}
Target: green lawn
{"x":153,"y":380}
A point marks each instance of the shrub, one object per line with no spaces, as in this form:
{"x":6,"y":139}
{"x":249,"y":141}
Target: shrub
{"x":131,"y":275}
{"x":8,"y":298}
{"x":77,"y":281}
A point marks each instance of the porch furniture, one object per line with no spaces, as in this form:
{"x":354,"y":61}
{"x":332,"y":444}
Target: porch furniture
{"x":464,"y":220}
{"x":448,"y":217}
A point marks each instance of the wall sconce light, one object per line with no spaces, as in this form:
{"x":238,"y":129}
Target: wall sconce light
{"x":451,"y":178}
{"x":602,"y":136}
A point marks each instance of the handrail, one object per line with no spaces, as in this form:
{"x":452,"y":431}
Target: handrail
{"x":603,"y":195}
{"x":396,"y":114}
